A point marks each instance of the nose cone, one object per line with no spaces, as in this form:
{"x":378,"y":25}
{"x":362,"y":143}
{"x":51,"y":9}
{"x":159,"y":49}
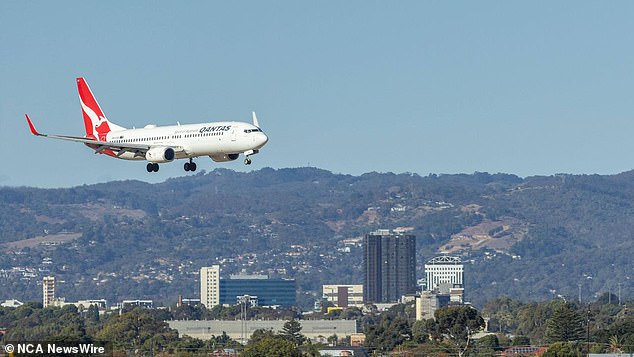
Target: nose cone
{"x":261,"y":139}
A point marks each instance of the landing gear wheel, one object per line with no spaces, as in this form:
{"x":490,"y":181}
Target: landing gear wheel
{"x":247,"y":161}
{"x":190,"y":166}
{"x":156,"y":167}
{"x":152,"y":167}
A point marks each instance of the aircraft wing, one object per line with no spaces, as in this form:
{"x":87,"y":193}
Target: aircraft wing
{"x":99,"y":146}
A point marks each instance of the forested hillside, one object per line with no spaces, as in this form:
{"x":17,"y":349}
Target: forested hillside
{"x":526,"y":238}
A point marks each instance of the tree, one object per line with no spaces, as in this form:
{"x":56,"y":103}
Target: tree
{"x":188,"y":312}
{"x":139,"y":328}
{"x":31,"y":323}
{"x":352,"y":313}
{"x":260,"y":334}
{"x":219,"y":342}
{"x":563,"y":349}
{"x":615,"y":346}
{"x":487,"y":345}
{"x":564,"y":325}
{"x":187,"y":344}
{"x":490,"y":341}
{"x":310,"y":349}
{"x":420,"y":333}
{"x":292,"y":332}
{"x":532,"y":320}
{"x":389,"y":332}
{"x":521,"y":341}
{"x":458,"y":324}
{"x":502,"y":312}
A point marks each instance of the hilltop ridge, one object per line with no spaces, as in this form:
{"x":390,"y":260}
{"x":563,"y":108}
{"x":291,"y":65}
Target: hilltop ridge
{"x":527,"y":238}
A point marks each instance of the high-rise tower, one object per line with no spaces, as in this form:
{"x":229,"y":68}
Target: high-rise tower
{"x":210,"y":286}
{"x":48,"y":290}
{"x":389,"y":260}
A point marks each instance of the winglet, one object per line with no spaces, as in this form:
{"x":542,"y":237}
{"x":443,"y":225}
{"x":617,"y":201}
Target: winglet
{"x":255,"y":120}
{"x":31,"y":126}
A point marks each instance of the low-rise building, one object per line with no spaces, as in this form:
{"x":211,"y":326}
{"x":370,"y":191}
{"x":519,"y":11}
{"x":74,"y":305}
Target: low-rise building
{"x":268,"y":291}
{"x":271,"y":292}
{"x":343,"y":295}
{"x":428,"y":302}
{"x":11,"y":303}
{"x":342,"y":351}
{"x":236,"y":329}
{"x":134,"y":303}
{"x":519,"y":351}
{"x":82,"y":304}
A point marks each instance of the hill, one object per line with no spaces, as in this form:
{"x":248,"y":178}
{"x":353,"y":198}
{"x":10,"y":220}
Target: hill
{"x":526,"y":238}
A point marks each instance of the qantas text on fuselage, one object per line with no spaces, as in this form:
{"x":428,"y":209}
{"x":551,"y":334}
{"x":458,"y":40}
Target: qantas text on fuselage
{"x":221,"y":141}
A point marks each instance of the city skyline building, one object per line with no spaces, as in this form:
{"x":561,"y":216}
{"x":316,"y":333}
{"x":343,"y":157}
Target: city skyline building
{"x":262,"y":290}
{"x":48,"y":291}
{"x":343,"y":295}
{"x":389,"y":263}
{"x":443,"y":273}
{"x":210,"y":286}
{"x":428,"y":302}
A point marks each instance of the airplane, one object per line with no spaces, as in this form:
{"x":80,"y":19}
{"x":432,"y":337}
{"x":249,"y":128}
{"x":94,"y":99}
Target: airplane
{"x":221,"y":141}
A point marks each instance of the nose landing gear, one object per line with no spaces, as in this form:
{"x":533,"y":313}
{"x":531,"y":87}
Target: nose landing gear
{"x":247,"y":159}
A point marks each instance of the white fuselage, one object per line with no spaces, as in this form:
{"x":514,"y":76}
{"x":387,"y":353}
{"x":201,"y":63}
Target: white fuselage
{"x":221,"y":141}
{"x":205,"y":139}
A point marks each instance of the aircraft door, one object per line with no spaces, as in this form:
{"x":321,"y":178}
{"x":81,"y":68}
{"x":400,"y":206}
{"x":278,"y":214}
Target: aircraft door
{"x":234,"y":133}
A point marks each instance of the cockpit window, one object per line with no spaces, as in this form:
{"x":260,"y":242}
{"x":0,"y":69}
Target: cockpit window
{"x":251,"y":130}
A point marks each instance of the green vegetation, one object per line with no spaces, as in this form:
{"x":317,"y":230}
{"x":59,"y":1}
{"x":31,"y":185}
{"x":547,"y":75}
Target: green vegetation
{"x":141,"y":330}
{"x":565,"y":324}
{"x":288,"y":343}
{"x":559,"y":326}
{"x":555,"y":324}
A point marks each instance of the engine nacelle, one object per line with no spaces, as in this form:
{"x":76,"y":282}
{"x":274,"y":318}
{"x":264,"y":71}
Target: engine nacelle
{"x":224,"y":157}
{"x":160,"y":154}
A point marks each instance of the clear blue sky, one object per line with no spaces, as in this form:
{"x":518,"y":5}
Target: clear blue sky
{"x":528,"y":88}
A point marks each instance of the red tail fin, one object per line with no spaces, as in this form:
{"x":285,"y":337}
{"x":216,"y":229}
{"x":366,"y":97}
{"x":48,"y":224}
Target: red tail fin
{"x":95,"y":121}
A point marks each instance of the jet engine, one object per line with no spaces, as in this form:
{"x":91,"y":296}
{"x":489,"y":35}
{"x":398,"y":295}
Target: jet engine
{"x":160,"y":154}
{"x":224,"y":157}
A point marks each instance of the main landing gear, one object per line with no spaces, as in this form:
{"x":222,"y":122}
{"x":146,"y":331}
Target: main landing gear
{"x":151,"y":167}
{"x":190,"y":166}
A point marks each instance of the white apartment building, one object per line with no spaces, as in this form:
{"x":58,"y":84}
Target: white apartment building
{"x":48,"y":291}
{"x":444,"y":272}
{"x":210,"y":286}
